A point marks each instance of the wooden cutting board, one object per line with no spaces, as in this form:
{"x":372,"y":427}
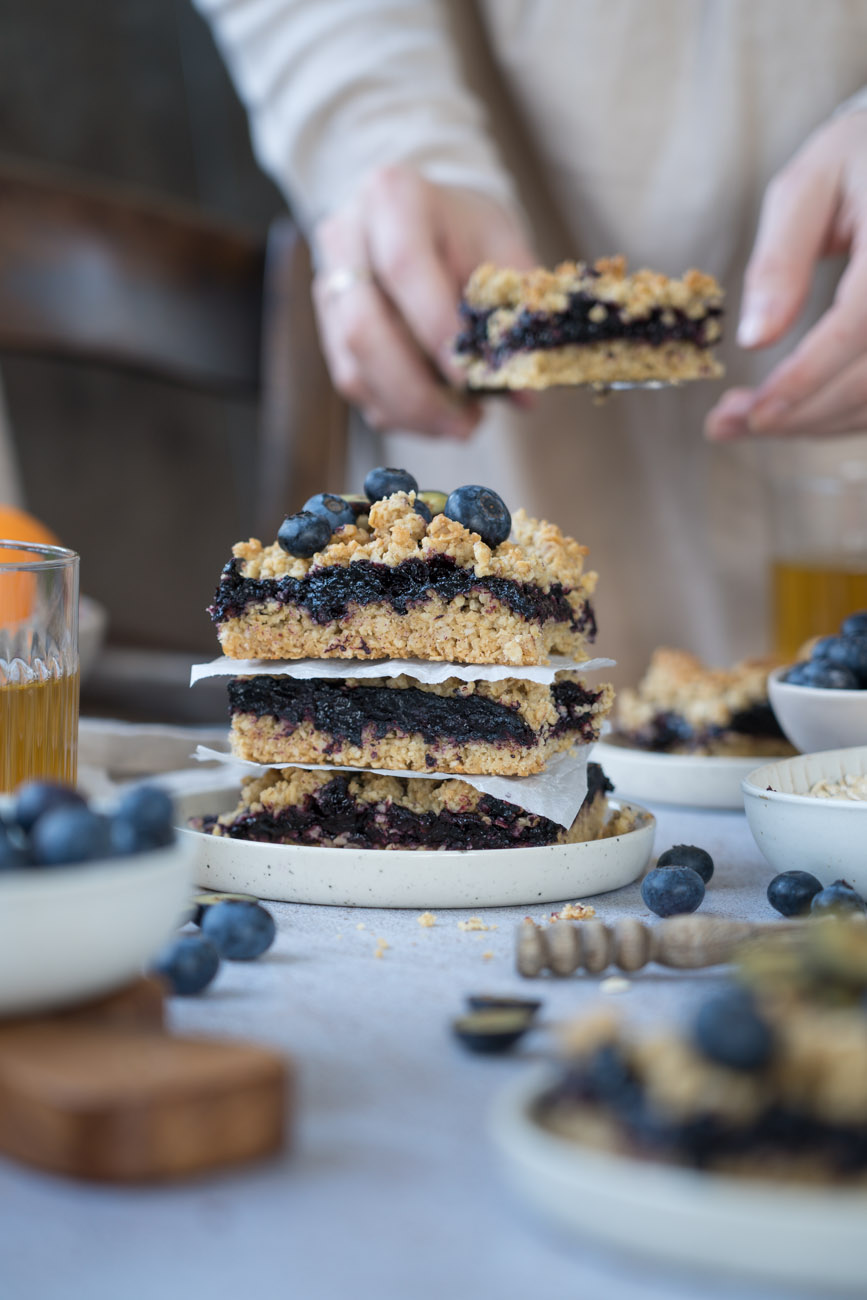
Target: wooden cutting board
{"x":104,"y":1092}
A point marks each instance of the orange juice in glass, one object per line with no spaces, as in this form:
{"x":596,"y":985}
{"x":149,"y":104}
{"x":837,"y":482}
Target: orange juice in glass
{"x":819,"y":559}
{"x":38,"y":664}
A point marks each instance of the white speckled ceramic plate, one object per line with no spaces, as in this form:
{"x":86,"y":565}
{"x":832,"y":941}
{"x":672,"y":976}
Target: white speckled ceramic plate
{"x":402,"y":878}
{"x":775,"y":1231}
{"x":691,"y":780}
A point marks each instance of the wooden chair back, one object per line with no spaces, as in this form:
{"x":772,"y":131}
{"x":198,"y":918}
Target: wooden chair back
{"x":130,"y":282}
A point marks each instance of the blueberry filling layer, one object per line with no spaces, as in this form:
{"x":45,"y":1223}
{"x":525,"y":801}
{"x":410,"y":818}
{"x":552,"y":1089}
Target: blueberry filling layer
{"x":539,"y":330}
{"x":358,"y":715}
{"x":668,"y":728}
{"x":606,"y":1082}
{"x":327,"y":593}
{"x":333,"y":812}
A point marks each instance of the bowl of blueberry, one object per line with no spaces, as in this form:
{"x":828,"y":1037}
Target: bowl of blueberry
{"x":87,"y":895}
{"x":821,"y":701}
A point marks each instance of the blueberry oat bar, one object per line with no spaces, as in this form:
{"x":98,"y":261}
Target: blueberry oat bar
{"x":683,"y":707}
{"x":396,"y":580}
{"x":510,"y":727}
{"x":769,"y":1080}
{"x":581,"y":324}
{"x":369,"y":811}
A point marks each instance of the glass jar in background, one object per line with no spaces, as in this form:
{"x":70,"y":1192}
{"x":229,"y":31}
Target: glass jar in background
{"x":38,"y":664}
{"x":818,"y":525}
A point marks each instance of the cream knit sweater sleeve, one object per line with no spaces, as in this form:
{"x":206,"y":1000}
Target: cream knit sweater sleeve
{"x":337,"y":88}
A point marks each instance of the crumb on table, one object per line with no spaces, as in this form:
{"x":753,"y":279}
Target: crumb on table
{"x":427,"y":919}
{"x":475,"y":923}
{"x":574,"y":912}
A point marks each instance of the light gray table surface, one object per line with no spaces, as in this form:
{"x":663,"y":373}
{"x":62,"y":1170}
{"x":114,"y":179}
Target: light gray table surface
{"x":392,"y":1188}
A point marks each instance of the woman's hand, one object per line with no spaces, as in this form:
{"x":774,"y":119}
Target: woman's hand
{"x":815,"y":207}
{"x":390,"y":270}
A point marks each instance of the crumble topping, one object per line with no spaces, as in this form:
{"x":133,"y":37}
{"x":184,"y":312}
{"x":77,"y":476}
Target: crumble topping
{"x":852,"y":788}
{"x":393,"y":532}
{"x":679,"y":682}
{"x":635,"y":295}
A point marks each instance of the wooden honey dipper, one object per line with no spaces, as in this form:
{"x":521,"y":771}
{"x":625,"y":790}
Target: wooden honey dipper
{"x":684,"y":942}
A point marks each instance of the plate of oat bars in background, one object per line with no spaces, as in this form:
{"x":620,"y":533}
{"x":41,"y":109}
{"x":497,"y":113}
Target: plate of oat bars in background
{"x":689,"y":734}
{"x":413,"y":700}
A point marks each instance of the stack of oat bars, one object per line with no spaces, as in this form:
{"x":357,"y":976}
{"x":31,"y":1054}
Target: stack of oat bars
{"x":399,"y":661}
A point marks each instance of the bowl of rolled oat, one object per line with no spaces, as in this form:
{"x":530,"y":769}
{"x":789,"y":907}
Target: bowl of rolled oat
{"x":810,"y":814}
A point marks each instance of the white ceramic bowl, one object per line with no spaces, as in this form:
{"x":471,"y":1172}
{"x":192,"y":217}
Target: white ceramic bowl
{"x":350,"y":877}
{"x":816,"y":719}
{"x":796,"y":830}
{"x":689,"y":780}
{"x":72,"y":933}
{"x":794,"y":1234}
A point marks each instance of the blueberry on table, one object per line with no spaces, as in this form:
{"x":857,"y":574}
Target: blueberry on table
{"x":839,"y":899}
{"x":490,"y":1002}
{"x":823,"y":674}
{"x":36,"y":798}
{"x":672,"y":891}
{"x":335,"y":510}
{"x":384,"y":480}
{"x":201,"y":902}
{"x":855,"y":624}
{"x":491,"y":1031}
{"x":791,"y":892}
{"x":480,"y":510}
{"x":70,"y":834}
{"x":435,"y":501}
{"x":730,"y":1031}
{"x":239,"y":931}
{"x":304,"y":534}
{"x":143,"y":820}
{"x":188,"y":964}
{"x":688,"y":855}
{"x":12,"y":853}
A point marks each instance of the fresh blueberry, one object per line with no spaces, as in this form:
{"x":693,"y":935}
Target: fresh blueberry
{"x":70,"y":834}
{"x":855,"y":624}
{"x":201,"y":902}
{"x":188,"y":964}
{"x":839,"y":899}
{"x":848,"y":652}
{"x":791,"y":892}
{"x":304,"y":534}
{"x":39,"y":797}
{"x":481,"y":511}
{"x":13,"y":852}
{"x":670,"y":891}
{"x":239,"y":931}
{"x":142,"y":821}
{"x":688,"y":855}
{"x":435,"y":501}
{"x":384,"y":480}
{"x":822,"y":673}
{"x":491,"y":1002}
{"x":729,"y":1031}
{"x":333,"y":509}
{"x":423,"y":510}
{"x":491,"y":1031}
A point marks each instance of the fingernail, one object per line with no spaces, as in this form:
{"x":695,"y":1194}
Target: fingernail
{"x":767,"y":413}
{"x":753,"y":326}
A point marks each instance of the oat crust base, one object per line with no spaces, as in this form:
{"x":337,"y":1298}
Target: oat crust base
{"x":597,"y":364}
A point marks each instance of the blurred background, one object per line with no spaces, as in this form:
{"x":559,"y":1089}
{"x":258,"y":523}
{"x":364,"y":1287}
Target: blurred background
{"x":133,"y":99}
